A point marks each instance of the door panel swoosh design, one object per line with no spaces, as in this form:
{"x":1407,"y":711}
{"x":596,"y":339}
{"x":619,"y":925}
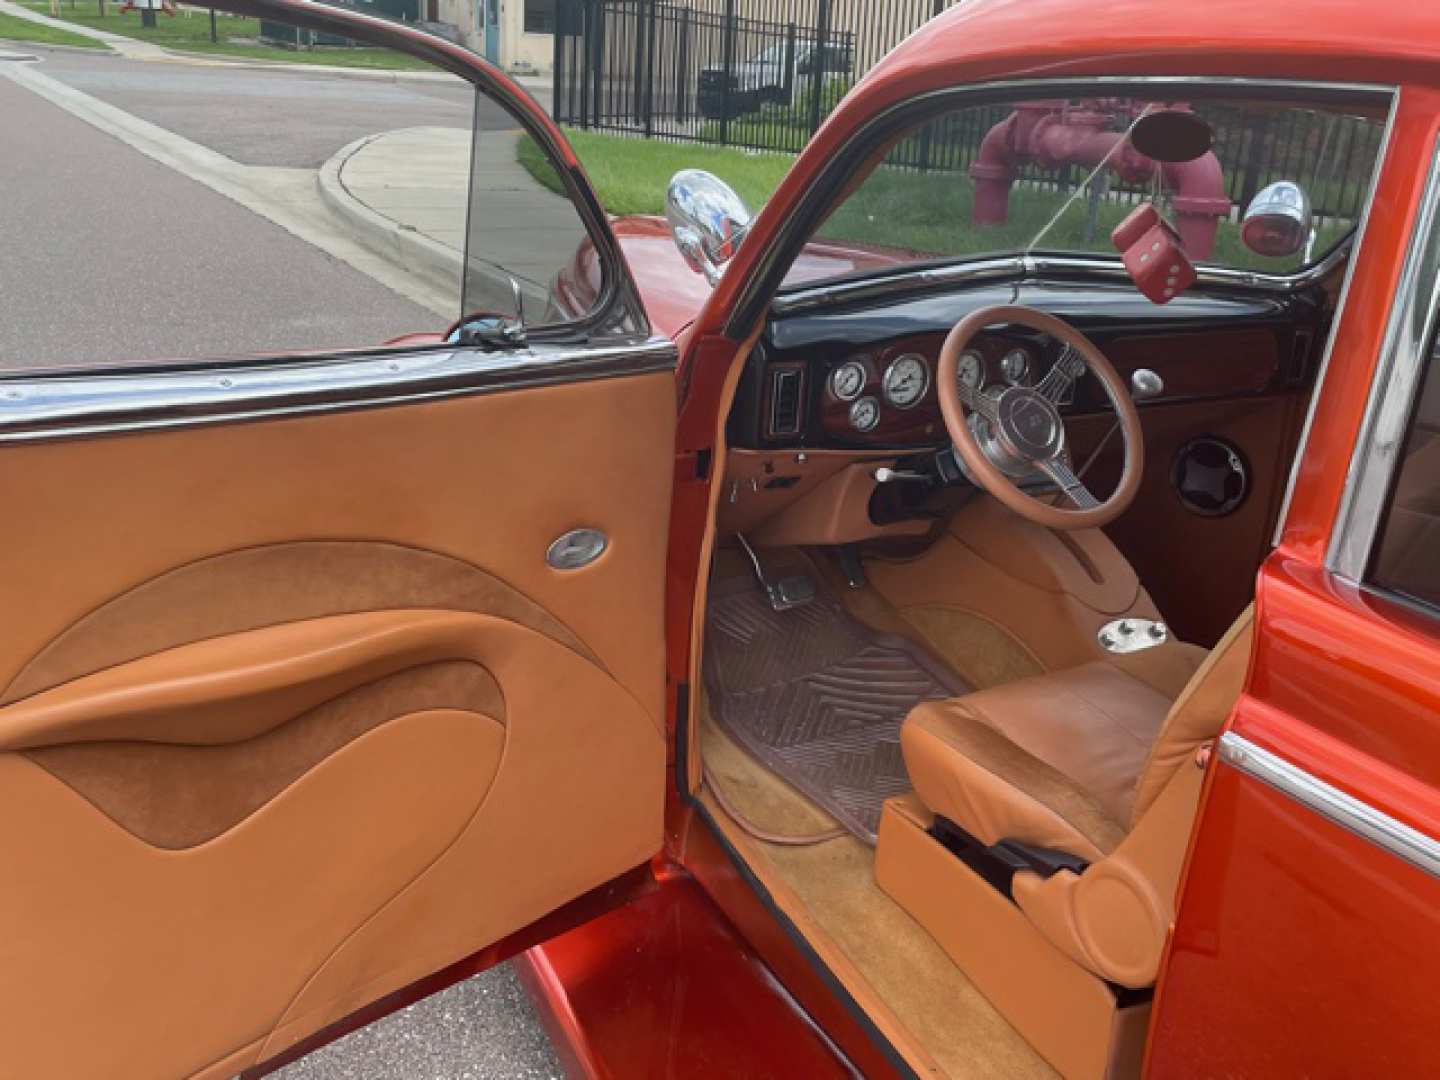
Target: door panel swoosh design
{"x":276,"y":583}
{"x":176,"y":796}
{"x":401,"y":823}
{"x":240,"y":686}
{"x":149,"y":935}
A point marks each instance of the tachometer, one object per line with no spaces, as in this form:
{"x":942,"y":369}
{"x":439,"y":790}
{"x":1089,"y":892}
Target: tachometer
{"x":971,"y":369}
{"x":906,"y":380}
{"x":865,"y":414}
{"x":847,"y":380}
{"x":1015,"y":366}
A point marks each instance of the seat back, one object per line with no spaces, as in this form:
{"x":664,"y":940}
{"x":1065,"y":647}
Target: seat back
{"x":1199,"y":712}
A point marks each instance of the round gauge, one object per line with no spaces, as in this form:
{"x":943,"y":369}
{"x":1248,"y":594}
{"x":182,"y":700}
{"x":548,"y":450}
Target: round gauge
{"x":847,"y":380}
{"x":906,"y":380}
{"x":971,"y":369}
{"x":1015,"y":366}
{"x":865,"y":414}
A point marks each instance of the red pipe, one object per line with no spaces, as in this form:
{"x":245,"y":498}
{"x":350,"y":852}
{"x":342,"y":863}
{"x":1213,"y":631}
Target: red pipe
{"x":1053,"y":134}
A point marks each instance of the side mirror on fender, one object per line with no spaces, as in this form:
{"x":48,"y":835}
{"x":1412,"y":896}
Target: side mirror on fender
{"x":707,"y":219}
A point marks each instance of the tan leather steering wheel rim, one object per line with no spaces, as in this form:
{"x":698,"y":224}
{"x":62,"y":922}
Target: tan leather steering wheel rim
{"x":1021,"y":402}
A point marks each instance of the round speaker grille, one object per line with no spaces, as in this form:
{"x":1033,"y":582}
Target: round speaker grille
{"x":1211,"y":476}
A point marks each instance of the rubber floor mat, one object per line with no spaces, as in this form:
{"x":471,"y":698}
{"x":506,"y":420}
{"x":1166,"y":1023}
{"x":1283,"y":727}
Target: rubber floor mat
{"x":818,"y":697}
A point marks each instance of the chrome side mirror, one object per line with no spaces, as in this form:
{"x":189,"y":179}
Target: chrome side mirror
{"x":1278,"y":221}
{"x":707,"y":219}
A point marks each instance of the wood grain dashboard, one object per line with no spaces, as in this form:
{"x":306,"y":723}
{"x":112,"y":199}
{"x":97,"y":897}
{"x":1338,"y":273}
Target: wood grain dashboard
{"x":1218,"y":364}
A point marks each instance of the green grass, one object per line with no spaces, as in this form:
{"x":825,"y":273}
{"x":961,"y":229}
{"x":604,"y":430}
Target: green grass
{"x":14,"y":28}
{"x":631,"y":175}
{"x":238,"y":36}
{"x":927,"y":213}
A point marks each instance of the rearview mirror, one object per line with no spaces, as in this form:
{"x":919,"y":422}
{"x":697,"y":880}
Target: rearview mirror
{"x":707,"y":219}
{"x":1278,"y":222}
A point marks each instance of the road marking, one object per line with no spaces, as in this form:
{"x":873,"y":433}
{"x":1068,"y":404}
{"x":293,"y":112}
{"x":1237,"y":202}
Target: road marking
{"x":287,"y":197}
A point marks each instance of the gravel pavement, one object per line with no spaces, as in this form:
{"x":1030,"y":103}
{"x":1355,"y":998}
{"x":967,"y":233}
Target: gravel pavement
{"x":479,"y":1029}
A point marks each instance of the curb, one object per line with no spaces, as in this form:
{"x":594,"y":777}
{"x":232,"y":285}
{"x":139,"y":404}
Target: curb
{"x":440,"y":267}
{"x":19,"y":45}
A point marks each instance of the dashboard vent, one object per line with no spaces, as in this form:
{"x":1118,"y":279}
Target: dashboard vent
{"x":786,"y":384}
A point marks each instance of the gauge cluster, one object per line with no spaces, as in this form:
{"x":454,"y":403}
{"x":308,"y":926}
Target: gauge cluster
{"x":889,"y":392}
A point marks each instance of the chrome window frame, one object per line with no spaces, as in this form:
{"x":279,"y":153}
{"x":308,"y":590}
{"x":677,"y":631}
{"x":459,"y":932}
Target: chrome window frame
{"x":119,"y":401}
{"x":1399,"y":372}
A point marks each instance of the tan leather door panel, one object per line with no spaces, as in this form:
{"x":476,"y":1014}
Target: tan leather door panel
{"x":294,"y":712}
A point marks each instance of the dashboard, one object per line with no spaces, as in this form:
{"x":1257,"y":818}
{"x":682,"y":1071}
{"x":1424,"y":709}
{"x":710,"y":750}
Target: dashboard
{"x":864,"y":377}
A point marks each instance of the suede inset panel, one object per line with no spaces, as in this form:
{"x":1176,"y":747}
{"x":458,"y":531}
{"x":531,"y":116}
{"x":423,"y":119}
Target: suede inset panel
{"x":175,"y":796}
{"x":969,"y":736}
{"x":267,"y":586}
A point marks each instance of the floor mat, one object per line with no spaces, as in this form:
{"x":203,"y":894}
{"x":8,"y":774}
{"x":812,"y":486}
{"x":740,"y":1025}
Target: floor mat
{"x":817,"y":696}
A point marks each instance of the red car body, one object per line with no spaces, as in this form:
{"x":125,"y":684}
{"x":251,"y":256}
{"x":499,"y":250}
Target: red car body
{"x":1300,"y":948}
{"x":1287,"y":920}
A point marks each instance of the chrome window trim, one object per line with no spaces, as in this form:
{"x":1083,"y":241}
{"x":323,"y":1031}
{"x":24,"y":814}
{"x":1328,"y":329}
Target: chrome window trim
{"x":1357,"y":239}
{"x":1028,"y":267}
{"x":115,"y":402}
{"x":1379,"y":828}
{"x":1398,"y":373}
{"x":797,"y":229}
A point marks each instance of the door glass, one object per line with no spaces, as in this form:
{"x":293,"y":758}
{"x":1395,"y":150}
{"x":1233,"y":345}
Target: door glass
{"x":527,"y":246}
{"x":1408,"y":555}
{"x":226,"y":210}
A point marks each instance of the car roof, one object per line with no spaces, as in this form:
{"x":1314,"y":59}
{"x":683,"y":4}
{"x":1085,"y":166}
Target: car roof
{"x":1387,"y":42}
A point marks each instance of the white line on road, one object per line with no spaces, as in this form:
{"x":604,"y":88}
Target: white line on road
{"x":285,"y":196}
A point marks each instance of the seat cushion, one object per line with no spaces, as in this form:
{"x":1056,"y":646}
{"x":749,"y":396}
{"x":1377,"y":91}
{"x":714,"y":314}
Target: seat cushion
{"x":1052,"y":760}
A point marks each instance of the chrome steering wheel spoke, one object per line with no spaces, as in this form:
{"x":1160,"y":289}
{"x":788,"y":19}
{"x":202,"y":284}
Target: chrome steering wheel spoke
{"x":979,"y":401}
{"x":1060,"y":379}
{"x":1058,"y":470}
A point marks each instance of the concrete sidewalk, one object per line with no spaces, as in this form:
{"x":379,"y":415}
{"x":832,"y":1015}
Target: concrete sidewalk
{"x":539,"y":88}
{"x":405,"y":192}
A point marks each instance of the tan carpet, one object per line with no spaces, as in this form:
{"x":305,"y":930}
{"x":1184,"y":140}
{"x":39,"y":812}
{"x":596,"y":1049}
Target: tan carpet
{"x":907,"y":970}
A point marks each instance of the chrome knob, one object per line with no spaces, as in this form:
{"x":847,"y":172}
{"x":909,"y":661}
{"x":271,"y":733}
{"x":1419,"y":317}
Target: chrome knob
{"x":1146,"y":384}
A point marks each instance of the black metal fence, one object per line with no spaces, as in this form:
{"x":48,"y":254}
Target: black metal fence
{"x":763,"y":74}
{"x":760,"y":74}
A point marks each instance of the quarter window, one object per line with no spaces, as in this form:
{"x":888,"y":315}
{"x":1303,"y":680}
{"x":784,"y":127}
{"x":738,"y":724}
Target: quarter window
{"x":1407,"y":559}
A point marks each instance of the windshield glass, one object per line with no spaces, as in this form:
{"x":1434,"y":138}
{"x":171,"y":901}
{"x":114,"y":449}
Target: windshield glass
{"x":1059,"y":175}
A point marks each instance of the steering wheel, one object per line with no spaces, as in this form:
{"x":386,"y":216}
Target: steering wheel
{"x":1019,"y":432}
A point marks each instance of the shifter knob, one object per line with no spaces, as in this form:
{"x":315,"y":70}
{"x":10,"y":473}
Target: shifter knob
{"x":1145,"y":384}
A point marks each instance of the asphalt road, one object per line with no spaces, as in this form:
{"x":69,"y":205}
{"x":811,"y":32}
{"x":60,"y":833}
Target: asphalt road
{"x":109,"y":256}
{"x":269,"y":117}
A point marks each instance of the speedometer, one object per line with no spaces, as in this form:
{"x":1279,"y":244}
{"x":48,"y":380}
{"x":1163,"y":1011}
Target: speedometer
{"x":971,"y":369}
{"x":906,"y":380}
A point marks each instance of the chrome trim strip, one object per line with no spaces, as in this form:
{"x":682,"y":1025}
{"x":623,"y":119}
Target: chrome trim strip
{"x":1027,"y":267}
{"x":1356,"y":242}
{"x":798,"y":227}
{"x":1403,"y":358}
{"x":1360,"y":818}
{"x":75,"y":406}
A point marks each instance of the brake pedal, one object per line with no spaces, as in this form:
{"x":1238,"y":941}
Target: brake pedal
{"x":783,"y":593}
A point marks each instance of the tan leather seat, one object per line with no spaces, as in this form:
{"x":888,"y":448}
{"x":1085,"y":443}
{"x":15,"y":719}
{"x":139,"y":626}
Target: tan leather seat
{"x":1090,"y":761}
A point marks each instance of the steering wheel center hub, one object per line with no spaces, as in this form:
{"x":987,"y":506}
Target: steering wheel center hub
{"x":1028,"y":425}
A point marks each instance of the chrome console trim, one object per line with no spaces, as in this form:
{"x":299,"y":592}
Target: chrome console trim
{"x":1398,"y":373}
{"x":1360,"y":818}
{"x":39,"y":408}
